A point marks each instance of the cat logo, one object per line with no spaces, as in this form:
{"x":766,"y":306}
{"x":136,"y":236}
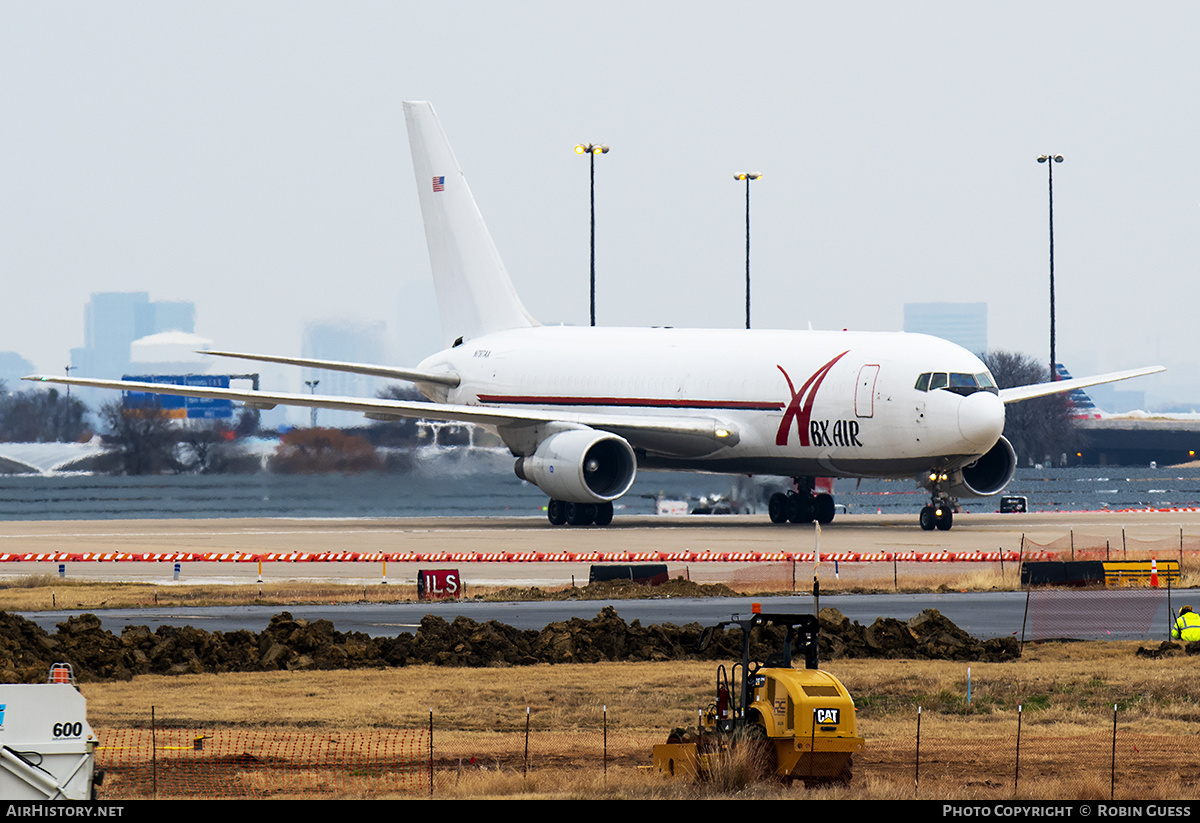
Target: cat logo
{"x":827,"y":717}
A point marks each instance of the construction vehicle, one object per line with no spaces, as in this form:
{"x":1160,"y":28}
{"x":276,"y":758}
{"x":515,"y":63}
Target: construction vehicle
{"x":801,"y":722}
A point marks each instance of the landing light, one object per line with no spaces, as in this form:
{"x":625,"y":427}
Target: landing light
{"x":722,"y":432}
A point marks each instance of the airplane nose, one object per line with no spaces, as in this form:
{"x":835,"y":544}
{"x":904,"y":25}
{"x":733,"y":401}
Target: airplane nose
{"x":981,"y":419}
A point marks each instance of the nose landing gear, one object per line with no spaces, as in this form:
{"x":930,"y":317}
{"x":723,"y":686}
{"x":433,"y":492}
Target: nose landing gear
{"x":939,"y":514}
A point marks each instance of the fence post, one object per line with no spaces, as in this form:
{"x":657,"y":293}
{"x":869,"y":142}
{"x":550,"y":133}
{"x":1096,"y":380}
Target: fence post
{"x":1170,"y":608}
{"x":917,"y":771}
{"x":1025,"y":617}
{"x":1113,"y":785}
{"x":526,"y":774}
{"x":606,"y":742}
{"x":153,"y":756}
{"x":431,"y":752}
{"x":1017,"y":770}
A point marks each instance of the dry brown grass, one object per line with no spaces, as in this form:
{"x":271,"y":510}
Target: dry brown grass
{"x":1066,"y":690}
{"x":45,"y":593}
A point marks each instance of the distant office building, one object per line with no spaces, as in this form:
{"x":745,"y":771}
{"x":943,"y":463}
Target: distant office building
{"x":961,"y":323}
{"x":12,"y":368}
{"x":113,"y":320}
{"x":349,"y":342}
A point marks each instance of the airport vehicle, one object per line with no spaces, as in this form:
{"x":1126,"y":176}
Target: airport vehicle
{"x":583,"y":408}
{"x":800,"y":723}
{"x":47,"y":748}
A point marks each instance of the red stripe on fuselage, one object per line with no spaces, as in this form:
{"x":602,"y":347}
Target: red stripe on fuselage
{"x":640,"y":402}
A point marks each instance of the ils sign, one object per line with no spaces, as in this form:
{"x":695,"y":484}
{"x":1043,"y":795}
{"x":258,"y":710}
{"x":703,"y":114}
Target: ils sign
{"x":438,"y":584}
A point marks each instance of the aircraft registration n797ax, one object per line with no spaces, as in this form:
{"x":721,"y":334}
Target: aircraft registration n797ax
{"x":583,"y":408}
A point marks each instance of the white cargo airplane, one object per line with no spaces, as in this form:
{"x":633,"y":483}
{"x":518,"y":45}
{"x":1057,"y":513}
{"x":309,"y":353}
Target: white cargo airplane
{"x":582,"y":409}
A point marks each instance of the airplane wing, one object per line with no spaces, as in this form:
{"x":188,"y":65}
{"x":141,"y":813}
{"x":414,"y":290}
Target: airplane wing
{"x":409,"y":375}
{"x":673,"y":435}
{"x":1019,"y":393}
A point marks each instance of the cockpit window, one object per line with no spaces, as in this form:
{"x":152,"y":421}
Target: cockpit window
{"x":957,"y":382}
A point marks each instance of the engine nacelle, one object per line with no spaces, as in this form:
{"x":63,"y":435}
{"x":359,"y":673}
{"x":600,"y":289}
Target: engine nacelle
{"x":986,"y":476}
{"x":580,"y":466}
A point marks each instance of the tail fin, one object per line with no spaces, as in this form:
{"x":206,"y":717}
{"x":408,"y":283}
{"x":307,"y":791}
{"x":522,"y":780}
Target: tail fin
{"x":475,"y":295}
{"x":1083,"y":408}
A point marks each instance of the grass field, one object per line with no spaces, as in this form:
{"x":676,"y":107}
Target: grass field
{"x":1067,"y":693}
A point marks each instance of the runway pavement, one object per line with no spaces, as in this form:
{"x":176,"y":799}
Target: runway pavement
{"x":849,"y":533}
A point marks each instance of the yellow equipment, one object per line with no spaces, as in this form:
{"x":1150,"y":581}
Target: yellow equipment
{"x":800,"y":721}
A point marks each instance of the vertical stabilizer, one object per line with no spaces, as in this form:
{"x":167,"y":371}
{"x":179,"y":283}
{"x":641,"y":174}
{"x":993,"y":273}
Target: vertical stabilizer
{"x":1082,"y":406}
{"x":474,"y":293}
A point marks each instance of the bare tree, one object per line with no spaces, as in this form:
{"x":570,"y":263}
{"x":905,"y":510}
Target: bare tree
{"x":1041,"y":429}
{"x":142,"y":440}
{"x":212,"y":447}
{"x":38,"y":416}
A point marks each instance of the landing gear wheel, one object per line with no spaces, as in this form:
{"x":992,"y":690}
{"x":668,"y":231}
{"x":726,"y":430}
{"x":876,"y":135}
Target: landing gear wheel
{"x":604,"y":514}
{"x":556,"y":512}
{"x":945,"y":520}
{"x":580,"y":514}
{"x":799,"y":508}
{"x":823,"y":508}
{"x":777,"y":507}
{"x":928,"y":519}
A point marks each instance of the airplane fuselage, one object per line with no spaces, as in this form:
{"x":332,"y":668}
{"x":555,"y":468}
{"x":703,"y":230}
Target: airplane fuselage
{"x":838,"y":404}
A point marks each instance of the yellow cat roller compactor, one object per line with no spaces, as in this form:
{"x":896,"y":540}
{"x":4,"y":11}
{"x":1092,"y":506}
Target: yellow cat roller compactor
{"x":801,"y":722}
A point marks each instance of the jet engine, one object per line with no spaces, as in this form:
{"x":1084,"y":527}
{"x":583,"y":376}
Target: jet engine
{"x":580,"y":466}
{"x":986,"y":476}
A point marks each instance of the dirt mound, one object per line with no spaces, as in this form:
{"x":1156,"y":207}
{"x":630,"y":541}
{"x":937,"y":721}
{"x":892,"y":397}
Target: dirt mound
{"x":287,"y":643}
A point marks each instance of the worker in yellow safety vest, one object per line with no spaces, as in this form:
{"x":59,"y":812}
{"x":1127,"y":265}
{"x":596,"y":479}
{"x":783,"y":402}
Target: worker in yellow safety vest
{"x":1187,"y":626}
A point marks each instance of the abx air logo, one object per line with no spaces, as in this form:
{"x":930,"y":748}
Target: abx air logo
{"x":801,"y":406}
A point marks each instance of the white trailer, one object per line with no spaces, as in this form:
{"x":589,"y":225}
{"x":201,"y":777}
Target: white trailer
{"x":46,"y":745}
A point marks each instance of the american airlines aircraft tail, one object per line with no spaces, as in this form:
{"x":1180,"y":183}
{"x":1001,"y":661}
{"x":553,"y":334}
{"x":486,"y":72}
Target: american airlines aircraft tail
{"x":475,"y":295}
{"x":1082,"y":405}
{"x":583,"y":409}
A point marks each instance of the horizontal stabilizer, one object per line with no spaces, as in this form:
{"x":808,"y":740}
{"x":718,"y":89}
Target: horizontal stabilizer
{"x":1019,"y":393}
{"x":410,"y":375}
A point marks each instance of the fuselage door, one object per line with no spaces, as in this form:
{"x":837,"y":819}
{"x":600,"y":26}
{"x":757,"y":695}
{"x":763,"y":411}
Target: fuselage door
{"x":864,"y":392}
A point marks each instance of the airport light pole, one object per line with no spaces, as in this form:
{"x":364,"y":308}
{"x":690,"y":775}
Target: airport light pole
{"x":747,"y":176}
{"x":312,"y":389}
{"x":1050,"y":160}
{"x":68,"y":368}
{"x":591,"y":150}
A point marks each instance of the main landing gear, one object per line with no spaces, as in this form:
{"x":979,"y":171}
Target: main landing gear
{"x":801,"y":505}
{"x":579,"y":514}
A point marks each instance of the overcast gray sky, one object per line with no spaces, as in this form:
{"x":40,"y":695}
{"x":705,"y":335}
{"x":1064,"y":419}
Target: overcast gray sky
{"x":252,"y":157}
